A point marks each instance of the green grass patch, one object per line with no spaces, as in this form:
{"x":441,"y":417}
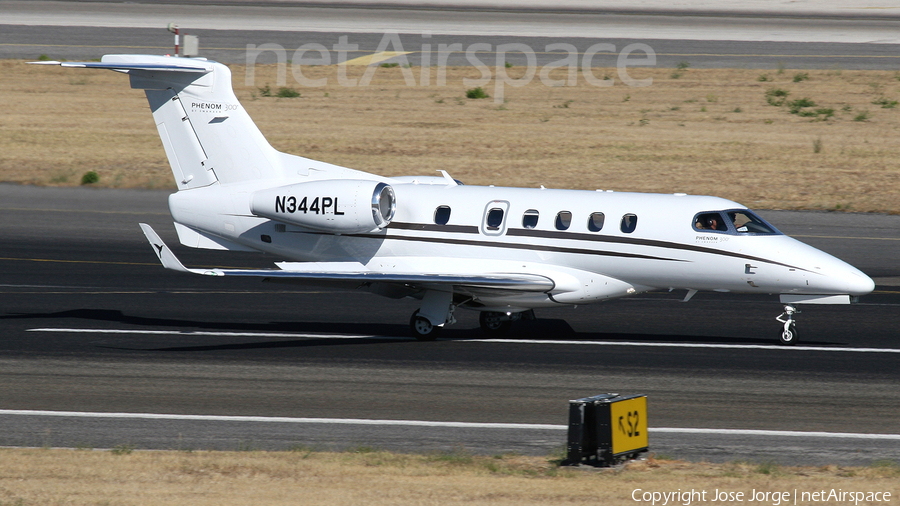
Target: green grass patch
{"x":285,"y":92}
{"x":798,"y":106}
{"x":885,"y":103}
{"x":826,"y":112}
{"x":90,"y":177}
{"x":476,"y":93}
{"x":776,"y":96}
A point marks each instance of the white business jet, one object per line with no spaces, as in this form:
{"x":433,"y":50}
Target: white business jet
{"x":500,"y":251}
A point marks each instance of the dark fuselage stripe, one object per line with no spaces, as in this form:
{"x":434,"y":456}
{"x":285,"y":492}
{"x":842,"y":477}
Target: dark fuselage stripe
{"x":574,"y":236}
{"x":533,"y":247}
{"x":638,"y":242}
{"x":459,"y":229}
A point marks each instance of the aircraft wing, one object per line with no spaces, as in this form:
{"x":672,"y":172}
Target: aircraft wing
{"x":357,"y":272}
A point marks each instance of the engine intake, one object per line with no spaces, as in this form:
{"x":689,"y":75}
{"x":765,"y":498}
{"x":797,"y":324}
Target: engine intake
{"x":339,"y":206}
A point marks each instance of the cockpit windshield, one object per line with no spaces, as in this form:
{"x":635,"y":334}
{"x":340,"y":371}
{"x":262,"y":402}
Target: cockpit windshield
{"x":736,"y":221}
{"x":746,"y":222}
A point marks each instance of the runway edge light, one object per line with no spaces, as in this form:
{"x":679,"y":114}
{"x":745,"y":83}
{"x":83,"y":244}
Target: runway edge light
{"x":606,"y":429}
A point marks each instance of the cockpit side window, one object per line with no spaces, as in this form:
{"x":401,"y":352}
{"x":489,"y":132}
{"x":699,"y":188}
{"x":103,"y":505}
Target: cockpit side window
{"x":710,"y":222}
{"x":745,"y":222}
{"x":737,"y":221}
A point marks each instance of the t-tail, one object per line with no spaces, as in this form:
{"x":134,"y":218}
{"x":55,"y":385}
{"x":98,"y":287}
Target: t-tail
{"x":208,"y":136}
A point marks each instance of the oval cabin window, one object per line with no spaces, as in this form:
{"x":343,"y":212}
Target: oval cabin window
{"x":629,"y":223}
{"x":563,"y":220}
{"x":595,"y":222}
{"x":530,"y":218}
{"x":442,"y":215}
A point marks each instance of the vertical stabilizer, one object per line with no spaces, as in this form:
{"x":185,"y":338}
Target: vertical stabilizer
{"x":208,"y":136}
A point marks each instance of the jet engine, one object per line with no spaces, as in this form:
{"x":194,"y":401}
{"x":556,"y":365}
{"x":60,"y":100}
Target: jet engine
{"x":339,"y":206}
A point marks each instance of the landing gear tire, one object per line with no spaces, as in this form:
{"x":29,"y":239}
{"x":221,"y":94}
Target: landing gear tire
{"x":422,"y":329}
{"x":789,"y":332}
{"x":788,"y":337}
{"x":491,"y":323}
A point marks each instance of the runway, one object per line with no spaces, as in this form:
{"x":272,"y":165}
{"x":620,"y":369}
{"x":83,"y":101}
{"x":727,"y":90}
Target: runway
{"x":92,"y":324}
{"x":831,"y":39}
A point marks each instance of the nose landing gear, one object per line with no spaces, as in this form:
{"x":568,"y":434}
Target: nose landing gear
{"x":789,"y":333}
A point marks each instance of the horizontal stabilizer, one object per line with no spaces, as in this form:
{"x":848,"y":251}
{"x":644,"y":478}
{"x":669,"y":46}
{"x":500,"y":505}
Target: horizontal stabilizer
{"x":137,"y":62}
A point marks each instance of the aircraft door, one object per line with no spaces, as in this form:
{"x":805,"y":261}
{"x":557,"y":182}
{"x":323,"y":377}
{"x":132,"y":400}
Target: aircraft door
{"x":494,"y":220}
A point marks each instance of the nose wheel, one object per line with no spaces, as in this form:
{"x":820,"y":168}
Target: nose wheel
{"x":789,"y":332}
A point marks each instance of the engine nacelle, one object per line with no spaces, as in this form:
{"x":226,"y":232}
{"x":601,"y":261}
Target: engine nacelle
{"x":340,"y":206}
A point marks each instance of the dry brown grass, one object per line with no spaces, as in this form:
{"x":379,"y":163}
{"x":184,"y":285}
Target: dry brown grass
{"x":78,"y":477}
{"x":706,"y":132}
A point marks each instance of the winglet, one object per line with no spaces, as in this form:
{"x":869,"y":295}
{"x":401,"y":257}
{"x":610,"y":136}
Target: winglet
{"x":165,"y":255}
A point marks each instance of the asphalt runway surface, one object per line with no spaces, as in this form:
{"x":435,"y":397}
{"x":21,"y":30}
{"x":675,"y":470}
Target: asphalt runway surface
{"x":90,"y":323}
{"x":85,"y":30}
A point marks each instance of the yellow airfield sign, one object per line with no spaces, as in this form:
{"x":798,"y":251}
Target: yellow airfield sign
{"x":606,"y":429}
{"x":629,"y":425}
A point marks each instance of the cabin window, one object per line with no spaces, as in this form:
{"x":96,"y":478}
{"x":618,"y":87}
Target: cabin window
{"x":530,"y":218}
{"x":629,"y":223}
{"x":595,"y":222}
{"x":710,"y":222}
{"x":745,"y":222}
{"x":563,"y":220}
{"x":494,"y":219}
{"x":442,"y":215}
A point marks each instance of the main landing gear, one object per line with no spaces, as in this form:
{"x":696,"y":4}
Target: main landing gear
{"x":422,"y":328}
{"x":789,"y":333}
{"x":498,"y":324}
{"x":491,"y":323}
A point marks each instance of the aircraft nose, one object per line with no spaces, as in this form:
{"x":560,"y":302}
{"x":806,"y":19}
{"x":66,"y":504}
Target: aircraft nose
{"x":837,"y":276}
{"x":858,"y":283}
{"x":844,"y":278}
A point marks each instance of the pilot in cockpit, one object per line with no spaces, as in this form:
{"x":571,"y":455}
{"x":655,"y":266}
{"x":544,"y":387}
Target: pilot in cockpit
{"x":709,"y":222}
